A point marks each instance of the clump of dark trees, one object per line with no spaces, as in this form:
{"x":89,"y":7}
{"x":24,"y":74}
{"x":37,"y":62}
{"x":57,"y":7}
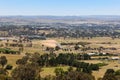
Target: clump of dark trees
{"x":110,"y":74}
{"x":64,"y":59}
{"x":30,"y":66}
{"x":8,"y":51}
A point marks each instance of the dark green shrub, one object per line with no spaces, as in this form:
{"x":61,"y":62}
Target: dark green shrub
{"x":9,"y":67}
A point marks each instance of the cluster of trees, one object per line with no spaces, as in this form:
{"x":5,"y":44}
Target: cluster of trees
{"x":85,"y":31}
{"x":4,"y":68}
{"x":30,"y":66}
{"x":70,"y":74}
{"x":54,"y":60}
{"x":28,"y":71}
{"x":67,"y":30}
{"x":18,"y":30}
{"x":74,"y":43}
{"x":19,"y":43}
{"x":3,"y":61}
{"x":110,"y":74}
{"x":61,"y":59}
{"x":8,"y":51}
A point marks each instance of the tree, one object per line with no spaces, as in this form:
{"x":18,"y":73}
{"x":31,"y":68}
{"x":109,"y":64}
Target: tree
{"x":3,"y":71}
{"x":78,"y":69}
{"x":109,"y":71}
{"x":4,"y":77}
{"x":21,"y":62}
{"x":4,"y":74}
{"x":117,"y":72}
{"x":3,"y":61}
{"x":26,"y":72}
{"x":52,"y":61}
{"x":57,"y":48}
{"x":94,"y":67}
{"x":21,"y":49}
{"x":76,"y":47}
{"x":109,"y":76}
{"x":87,"y":70}
{"x":59,"y":72}
{"x":74,"y":75}
{"x":70,"y":69}
{"x":86,"y":57}
{"x":8,"y":67}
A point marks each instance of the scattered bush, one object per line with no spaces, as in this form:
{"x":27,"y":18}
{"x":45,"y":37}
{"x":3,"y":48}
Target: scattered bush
{"x":9,"y":67}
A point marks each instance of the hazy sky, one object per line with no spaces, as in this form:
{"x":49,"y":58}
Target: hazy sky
{"x":60,"y":7}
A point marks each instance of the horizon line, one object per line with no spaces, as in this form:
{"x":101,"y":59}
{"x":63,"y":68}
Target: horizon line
{"x":59,"y":15}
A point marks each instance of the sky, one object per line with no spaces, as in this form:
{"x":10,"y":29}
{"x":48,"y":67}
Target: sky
{"x":60,"y":7}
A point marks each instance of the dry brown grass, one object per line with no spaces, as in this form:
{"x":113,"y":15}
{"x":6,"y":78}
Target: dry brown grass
{"x":50,"y":70}
{"x":111,"y":65}
{"x":12,"y":58}
{"x":95,"y":42}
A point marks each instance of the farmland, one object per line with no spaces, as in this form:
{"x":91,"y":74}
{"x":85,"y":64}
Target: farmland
{"x":61,"y":46}
{"x":95,"y":42}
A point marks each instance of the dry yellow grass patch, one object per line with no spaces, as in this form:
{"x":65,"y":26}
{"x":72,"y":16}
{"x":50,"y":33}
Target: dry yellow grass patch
{"x":12,"y":58}
{"x":101,"y":72}
{"x":50,"y":70}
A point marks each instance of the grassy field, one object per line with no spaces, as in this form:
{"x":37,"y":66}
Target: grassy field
{"x":12,"y":58}
{"x":95,"y":42}
{"x":111,"y":65}
{"x":50,"y":70}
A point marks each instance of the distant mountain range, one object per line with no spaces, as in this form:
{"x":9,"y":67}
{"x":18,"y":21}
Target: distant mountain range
{"x":57,"y":19}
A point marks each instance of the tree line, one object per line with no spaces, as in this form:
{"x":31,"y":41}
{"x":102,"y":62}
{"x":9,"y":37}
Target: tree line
{"x":30,"y":67}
